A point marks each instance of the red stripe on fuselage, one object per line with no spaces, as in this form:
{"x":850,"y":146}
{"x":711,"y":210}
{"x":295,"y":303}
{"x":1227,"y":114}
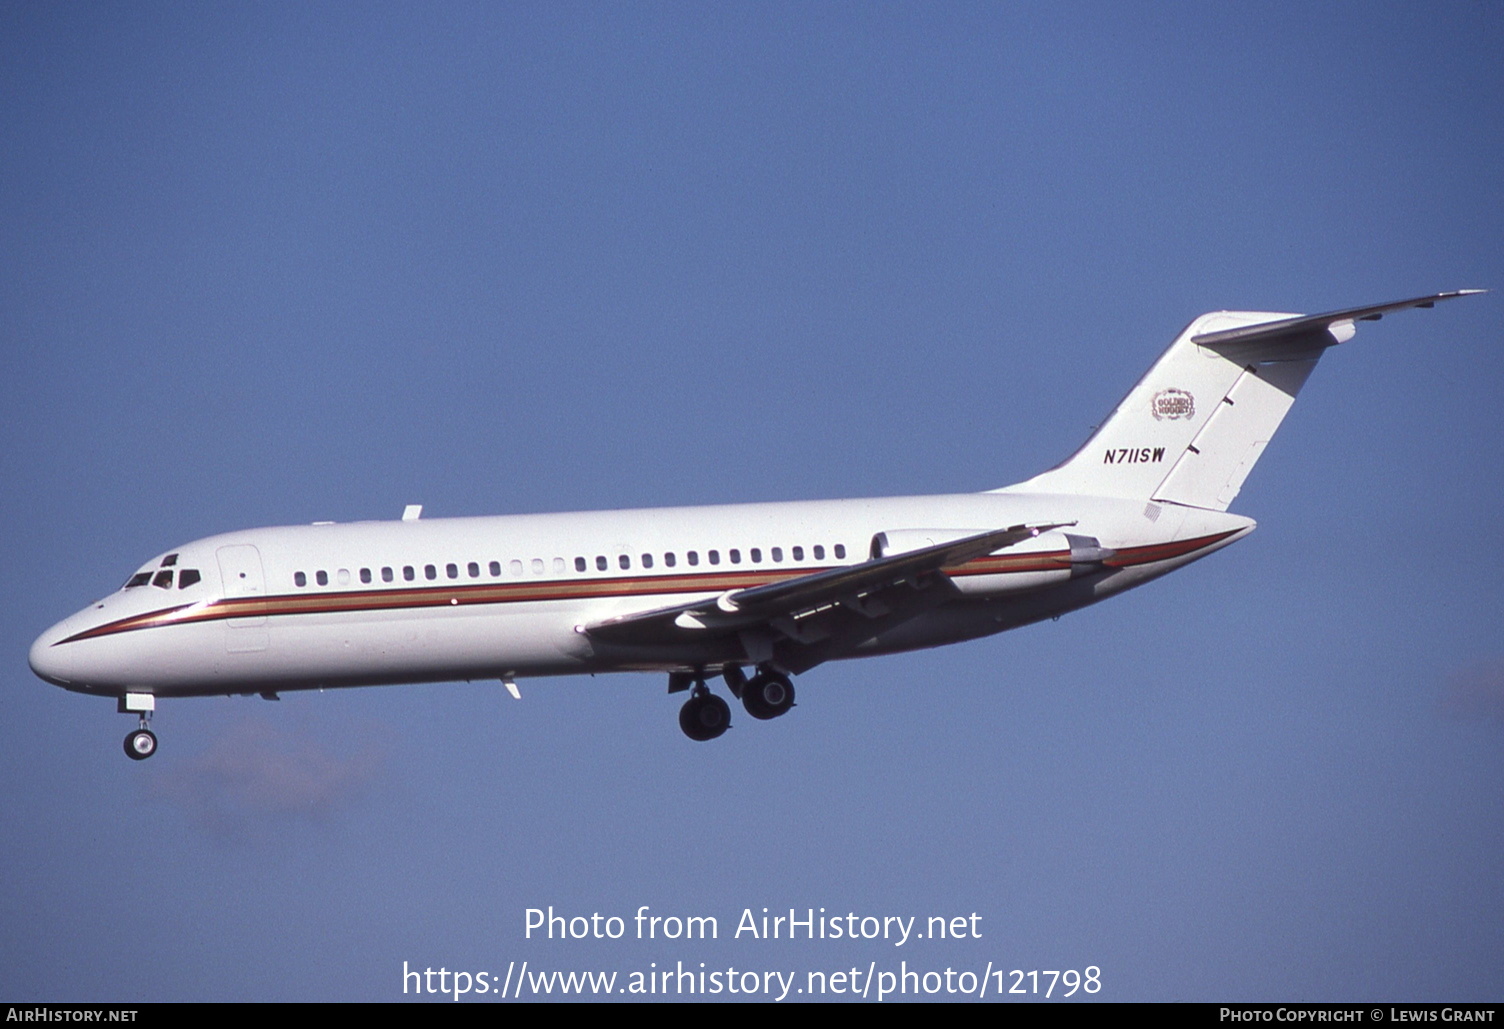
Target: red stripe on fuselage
{"x":513,"y":593}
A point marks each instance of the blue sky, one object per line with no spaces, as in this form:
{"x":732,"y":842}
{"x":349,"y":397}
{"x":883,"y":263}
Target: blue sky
{"x":273,"y":263}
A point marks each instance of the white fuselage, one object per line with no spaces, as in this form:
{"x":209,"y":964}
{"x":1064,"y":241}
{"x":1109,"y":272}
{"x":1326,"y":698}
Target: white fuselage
{"x":424,"y":600}
{"x":701,"y":592}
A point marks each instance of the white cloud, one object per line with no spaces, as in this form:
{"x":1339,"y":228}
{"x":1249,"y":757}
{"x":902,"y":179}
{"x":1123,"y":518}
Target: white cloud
{"x":257,"y":778}
{"x":1476,"y":693}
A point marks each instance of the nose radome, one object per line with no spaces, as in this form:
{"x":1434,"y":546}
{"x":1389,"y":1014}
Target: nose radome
{"x":50,"y":662}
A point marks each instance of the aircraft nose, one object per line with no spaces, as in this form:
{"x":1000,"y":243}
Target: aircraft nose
{"x":49,"y":662}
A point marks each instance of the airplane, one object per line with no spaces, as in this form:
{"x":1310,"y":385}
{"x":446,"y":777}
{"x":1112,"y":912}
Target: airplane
{"x":752,"y":594}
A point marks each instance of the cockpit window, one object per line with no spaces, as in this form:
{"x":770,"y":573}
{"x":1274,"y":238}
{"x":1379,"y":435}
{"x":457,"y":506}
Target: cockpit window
{"x":187,"y":577}
{"x":169,"y":560}
{"x":139,"y":579}
{"x":163,"y":580}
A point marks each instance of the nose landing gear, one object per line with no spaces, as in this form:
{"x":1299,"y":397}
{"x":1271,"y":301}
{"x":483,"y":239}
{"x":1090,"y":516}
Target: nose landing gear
{"x":142,"y":742}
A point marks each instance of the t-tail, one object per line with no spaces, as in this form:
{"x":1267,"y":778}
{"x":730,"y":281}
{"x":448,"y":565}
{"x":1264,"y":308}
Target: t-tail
{"x":1191,"y":430}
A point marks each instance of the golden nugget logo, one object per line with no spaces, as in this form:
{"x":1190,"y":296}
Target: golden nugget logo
{"x":1169,"y":404}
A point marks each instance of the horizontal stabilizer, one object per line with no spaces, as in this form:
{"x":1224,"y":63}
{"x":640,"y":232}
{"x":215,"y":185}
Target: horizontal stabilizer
{"x":1274,"y":340}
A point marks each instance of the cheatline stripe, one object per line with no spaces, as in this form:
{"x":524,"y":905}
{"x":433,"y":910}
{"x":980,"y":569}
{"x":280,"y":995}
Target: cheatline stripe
{"x":638,"y":585}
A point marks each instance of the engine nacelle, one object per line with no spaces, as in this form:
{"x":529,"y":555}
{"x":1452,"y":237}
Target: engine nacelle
{"x":904,"y":541}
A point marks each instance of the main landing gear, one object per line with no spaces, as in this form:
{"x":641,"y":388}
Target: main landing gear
{"x":704,"y":716}
{"x":141,"y":743}
{"x":767,"y":695}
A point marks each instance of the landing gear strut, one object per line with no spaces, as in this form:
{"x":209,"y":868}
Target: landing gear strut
{"x":704,"y":716}
{"x":141,"y":743}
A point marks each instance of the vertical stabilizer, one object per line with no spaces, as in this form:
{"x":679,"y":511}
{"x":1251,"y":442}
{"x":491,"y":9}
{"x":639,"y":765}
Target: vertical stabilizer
{"x":1191,"y":430}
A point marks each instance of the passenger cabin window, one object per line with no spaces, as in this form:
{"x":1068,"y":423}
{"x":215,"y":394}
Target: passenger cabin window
{"x":647,"y":560}
{"x":299,"y":579}
{"x":625,"y":560}
{"x":819,"y":552}
{"x":600,"y":562}
{"x":579,"y":564}
{"x":322,"y":578}
{"x":386,"y":574}
{"x":715,"y":557}
{"x":537,"y":566}
{"x":693,"y":557}
{"x":365,"y":575}
{"x":558,"y":565}
{"x":495,"y":569}
{"x":736,"y":557}
{"x":343,"y":575}
{"x":139,"y":579}
{"x":453,"y":571}
{"x":473,"y":569}
{"x":407,"y":573}
{"x":841,"y":551}
{"x":756,"y":555}
{"x":798,"y":553}
{"x":777,"y":553}
{"x":669,"y":559}
{"x":187,"y":577}
{"x":515,"y":567}
{"x":430,"y":572}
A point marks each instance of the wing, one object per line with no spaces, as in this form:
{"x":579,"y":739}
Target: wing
{"x":827,"y":612}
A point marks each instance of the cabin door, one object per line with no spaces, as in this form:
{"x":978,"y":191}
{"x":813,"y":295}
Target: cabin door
{"x":244,"y":583}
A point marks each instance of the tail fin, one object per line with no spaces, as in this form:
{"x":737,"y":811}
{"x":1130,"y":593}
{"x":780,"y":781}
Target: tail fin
{"x":1191,"y":430}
